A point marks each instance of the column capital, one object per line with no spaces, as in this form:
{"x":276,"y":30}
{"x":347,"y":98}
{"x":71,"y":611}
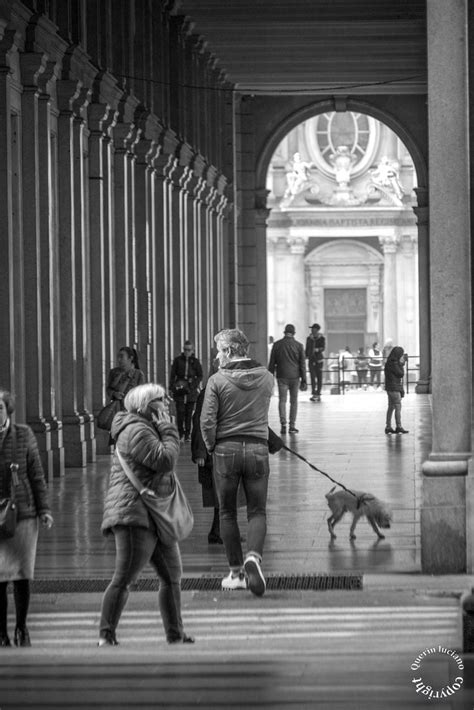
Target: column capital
{"x":145,"y":150}
{"x":32,"y":64}
{"x":297,"y":245}
{"x":389,"y":244}
{"x":422,"y":215}
{"x":96,"y":116}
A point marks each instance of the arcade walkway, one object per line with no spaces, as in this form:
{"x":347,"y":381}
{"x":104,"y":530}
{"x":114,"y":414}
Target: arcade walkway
{"x":342,"y":435}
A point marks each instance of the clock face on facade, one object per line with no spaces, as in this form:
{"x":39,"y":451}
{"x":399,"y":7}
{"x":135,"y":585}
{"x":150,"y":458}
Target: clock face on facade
{"x":328,"y":132}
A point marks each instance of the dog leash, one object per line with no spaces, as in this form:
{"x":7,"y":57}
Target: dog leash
{"x":311,"y":465}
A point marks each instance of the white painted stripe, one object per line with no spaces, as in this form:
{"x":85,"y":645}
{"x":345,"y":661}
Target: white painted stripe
{"x":260,"y":636}
{"x":330,"y":612}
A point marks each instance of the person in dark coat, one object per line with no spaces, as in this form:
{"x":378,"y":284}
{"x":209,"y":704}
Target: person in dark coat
{"x":148,"y":442}
{"x":185,"y":380}
{"x":18,"y":553}
{"x":126,"y":375}
{"x":394,"y":374}
{"x":202,"y":458}
{"x":287,"y":361}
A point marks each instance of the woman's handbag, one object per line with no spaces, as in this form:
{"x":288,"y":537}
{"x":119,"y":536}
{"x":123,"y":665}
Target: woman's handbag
{"x":180,"y":388}
{"x":107,"y":413}
{"x":8,"y":509}
{"x":172,"y":515}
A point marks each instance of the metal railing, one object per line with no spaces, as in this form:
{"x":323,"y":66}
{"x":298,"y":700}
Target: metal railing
{"x":341,"y":374}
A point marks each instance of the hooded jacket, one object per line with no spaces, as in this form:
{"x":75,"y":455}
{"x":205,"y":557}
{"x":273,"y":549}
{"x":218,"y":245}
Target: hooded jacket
{"x":394,"y":371}
{"x":236,"y":403}
{"x":151,"y":451}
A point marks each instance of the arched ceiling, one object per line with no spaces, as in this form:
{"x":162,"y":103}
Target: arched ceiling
{"x":314,"y":46}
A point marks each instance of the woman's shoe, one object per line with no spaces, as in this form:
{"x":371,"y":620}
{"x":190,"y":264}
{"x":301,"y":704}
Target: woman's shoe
{"x":107,"y":638}
{"x":184,"y":639}
{"x":401,"y":430}
{"x":21,"y":637}
{"x":389,"y":430}
{"x":4,"y":640}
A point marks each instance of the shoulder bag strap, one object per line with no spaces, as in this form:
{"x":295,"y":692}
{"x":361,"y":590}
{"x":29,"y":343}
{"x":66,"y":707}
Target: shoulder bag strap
{"x":129,"y":473}
{"x":13,"y":465}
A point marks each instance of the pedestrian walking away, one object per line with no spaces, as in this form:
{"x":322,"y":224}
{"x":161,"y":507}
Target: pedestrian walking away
{"x":148,"y":442}
{"x":315,"y":345}
{"x":234,"y":426}
{"x":394,"y":374}
{"x":21,"y":478}
{"x":184,"y":384}
{"x":287,"y":361}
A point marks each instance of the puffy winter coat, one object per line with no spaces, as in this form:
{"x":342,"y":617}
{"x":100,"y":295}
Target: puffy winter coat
{"x":151,"y":451}
{"x":31,"y":494}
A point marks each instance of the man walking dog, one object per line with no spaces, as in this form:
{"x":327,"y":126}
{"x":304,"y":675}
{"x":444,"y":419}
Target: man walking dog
{"x":234,"y":426}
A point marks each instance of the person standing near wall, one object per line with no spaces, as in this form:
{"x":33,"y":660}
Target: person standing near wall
{"x":185,"y":379}
{"x":315,"y":345}
{"x":288,"y":362}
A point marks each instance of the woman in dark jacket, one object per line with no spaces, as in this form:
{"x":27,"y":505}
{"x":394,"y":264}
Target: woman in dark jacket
{"x":149,"y":444}
{"x":126,"y":375}
{"x":18,"y":553}
{"x":394,"y":374}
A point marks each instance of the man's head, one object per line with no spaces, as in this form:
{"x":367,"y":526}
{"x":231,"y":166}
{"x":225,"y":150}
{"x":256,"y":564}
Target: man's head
{"x":231,"y":344}
{"x":188,"y":348}
{"x":315,"y":328}
{"x":289,"y":329}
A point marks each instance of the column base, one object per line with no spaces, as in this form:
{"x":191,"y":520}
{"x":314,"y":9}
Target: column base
{"x":423,"y":387}
{"x":102,"y":441}
{"x":443,"y":515}
{"x":48,"y":433}
{"x":75,"y":444}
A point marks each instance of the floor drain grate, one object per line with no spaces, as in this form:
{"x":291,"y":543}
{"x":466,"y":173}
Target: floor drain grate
{"x":276,"y":582}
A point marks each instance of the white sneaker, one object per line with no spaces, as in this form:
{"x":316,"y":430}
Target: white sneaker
{"x":236,"y":581}
{"x":256,"y":580}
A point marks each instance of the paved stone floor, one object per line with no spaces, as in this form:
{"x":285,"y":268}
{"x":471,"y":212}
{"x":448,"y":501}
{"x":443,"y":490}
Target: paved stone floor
{"x":342,"y":435}
{"x":337,"y":650}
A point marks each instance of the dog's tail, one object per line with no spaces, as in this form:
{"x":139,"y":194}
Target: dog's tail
{"x":329,"y":492}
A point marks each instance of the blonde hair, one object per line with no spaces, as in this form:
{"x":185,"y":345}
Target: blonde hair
{"x":140,"y":397}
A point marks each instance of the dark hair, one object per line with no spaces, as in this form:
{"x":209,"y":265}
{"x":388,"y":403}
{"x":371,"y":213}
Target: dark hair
{"x":132,"y":354}
{"x":9,"y":400}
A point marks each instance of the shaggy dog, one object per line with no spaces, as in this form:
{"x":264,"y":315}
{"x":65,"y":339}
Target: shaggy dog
{"x":359,"y":505}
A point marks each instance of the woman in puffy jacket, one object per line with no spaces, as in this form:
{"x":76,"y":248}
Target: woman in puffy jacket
{"x":394,"y":373}
{"x":18,"y":553}
{"x":148,"y":442}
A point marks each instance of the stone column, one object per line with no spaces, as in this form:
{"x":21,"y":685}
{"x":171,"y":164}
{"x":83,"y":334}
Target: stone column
{"x":82,"y":265}
{"x":407,"y":336}
{"x":256,"y":273}
{"x":75,"y":446}
{"x":125,"y":136}
{"x":101,"y":274}
{"x":297,"y":293}
{"x":443,"y":513}
{"x":145,"y":152}
{"x":282,"y":285}
{"x":390,"y":312}
{"x":423,"y":386}
{"x":32,"y":64}
{"x":49,"y":267}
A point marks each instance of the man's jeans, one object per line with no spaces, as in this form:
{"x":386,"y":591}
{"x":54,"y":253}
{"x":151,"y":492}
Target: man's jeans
{"x":235,"y":460}
{"x":394,"y":405}
{"x":135,"y":547}
{"x":286,"y":385}
{"x":316,"y":374}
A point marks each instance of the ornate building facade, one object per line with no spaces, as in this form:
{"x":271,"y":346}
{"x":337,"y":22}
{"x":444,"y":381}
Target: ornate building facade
{"x":342,"y":234}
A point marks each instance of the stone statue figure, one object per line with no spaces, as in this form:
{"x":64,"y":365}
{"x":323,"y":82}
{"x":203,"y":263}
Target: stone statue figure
{"x":386,"y":177}
{"x":298,"y":177}
{"x":342,"y":161}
